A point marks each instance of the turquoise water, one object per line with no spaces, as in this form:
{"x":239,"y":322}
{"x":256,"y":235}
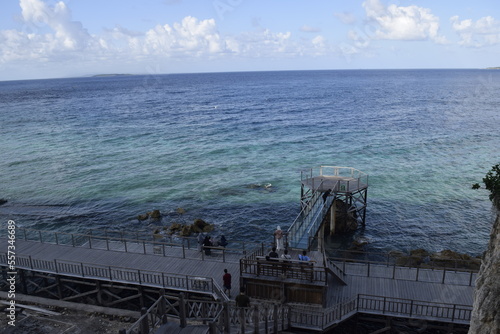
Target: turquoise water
{"x":96,"y":152}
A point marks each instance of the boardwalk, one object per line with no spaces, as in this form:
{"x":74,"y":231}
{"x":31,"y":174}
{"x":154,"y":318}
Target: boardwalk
{"x":432,"y":294}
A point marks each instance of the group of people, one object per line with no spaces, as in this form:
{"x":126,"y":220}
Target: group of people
{"x":273,"y":254}
{"x":206,"y":242}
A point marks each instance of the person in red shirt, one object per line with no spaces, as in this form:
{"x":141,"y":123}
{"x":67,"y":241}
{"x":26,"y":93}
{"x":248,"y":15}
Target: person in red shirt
{"x":226,"y":279}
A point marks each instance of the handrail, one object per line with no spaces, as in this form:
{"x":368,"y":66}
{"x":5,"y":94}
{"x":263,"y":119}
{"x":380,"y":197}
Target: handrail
{"x":284,"y":269}
{"x":201,"y":284}
{"x":222,"y":314}
{"x":301,"y":221}
{"x":431,"y":274}
{"x":414,"y":308}
{"x":155,"y":247}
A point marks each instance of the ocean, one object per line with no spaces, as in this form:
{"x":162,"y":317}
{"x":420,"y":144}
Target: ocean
{"x":95,"y":152}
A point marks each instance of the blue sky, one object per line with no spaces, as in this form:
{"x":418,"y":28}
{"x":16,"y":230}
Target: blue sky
{"x":46,"y":38}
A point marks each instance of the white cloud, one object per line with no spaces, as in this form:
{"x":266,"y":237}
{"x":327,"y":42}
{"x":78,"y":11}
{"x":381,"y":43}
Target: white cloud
{"x":51,"y":36}
{"x":345,"y":17}
{"x":483,"y":32}
{"x":190,"y":37}
{"x":306,"y":28}
{"x":409,"y":23}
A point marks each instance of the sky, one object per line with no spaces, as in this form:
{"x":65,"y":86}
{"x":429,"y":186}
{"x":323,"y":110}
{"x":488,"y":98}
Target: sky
{"x":52,"y":39}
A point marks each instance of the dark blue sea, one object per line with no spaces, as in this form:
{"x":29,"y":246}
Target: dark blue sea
{"x":93,"y":153}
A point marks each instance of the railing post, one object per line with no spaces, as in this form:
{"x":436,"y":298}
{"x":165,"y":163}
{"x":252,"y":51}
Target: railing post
{"x":453,"y":314}
{"x":107,"y":243}
{"x":256,"y":319}
{"x":266,"y":319}
{"x":90,"y":241}
{"x":444,"y":275}
{"x":163,"y":307}
{"x":139,"y":274}
{"x":223,"y":255}
{"x":31,"y":262}
{"x":73,"y":239}
{"x":394,"y":271}
{"x":417,"y":273}
{"x":125,"y":243}
{"x":470,"y":279}
{"x":24,"y":232}
{"x":227,"y":321}
{"x":40,"y":236}
{"x":183,"y":250}
{"x":144,"y":322}
{"x":57,"y":240}
{"x":83,"y":271}
{"x":368,"y":273}
{"x":242,"y":319}
{"x":144,"y":246}
{"x":411,"y":307}
{"x":55,"y":265}
{"x":383,"y":310}
{"x":182,"y":311}
{"x":110,"y":274}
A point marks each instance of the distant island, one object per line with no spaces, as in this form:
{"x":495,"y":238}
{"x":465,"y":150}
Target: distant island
{"x":110,"y":75}
{"x":493,"y":68}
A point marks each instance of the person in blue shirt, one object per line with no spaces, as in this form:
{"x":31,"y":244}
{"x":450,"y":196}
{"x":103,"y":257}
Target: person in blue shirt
{"x":304,"y":257}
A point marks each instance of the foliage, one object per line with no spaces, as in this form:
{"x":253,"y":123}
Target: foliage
{"x":492,"y":183}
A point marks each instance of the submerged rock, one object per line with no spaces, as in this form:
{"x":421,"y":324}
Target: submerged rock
{"x":155,"y":214}
{"x":143,"y":217}
{"x":3,"y":201}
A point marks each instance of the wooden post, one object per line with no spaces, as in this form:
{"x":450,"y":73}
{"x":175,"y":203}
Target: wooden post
{"x":256,"y":319}
{"x":242,"y":319}
{"x":266,"y":320}
{"x":212,"y":327}
{"x":444,"y":275}
{"x":227,"y":321}
{"x":182,"y":310}
{"x":144,"y":322}
{"x":289,"y":317}
{"x":163,"y":307}
{"x":275,"y":318}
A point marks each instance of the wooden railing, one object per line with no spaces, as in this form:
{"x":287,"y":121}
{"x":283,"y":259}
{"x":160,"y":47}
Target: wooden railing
{"x":116,"y":241}
{"x":283,"y":269}
{"x":225,"y":317}
{"x":119,"y":274}
{"x":414,"y":308}
{"x":221,"y":317}
{"x":392,"y":271}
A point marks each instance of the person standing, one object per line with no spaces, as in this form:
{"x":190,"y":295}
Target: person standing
{"x":273,"y":254}
{"x":226,"y":280}
{"x":242,"y":300}
{"x":285,"y":255}
{"x":304,"y":257}
{"x":278,"y":237}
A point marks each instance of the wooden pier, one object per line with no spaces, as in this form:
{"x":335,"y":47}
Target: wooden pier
{"x":172,"y":278}
{"x":333,"y":290}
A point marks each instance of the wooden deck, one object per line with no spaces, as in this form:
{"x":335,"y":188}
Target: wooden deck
{"x":371,"y":288}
